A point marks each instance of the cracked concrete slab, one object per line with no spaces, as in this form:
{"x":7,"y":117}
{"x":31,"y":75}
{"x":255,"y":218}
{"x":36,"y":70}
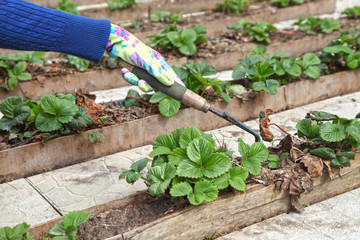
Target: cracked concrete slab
{"x":87,"y":184}
{"x":21,"y":203}
{"x":282,"y":227}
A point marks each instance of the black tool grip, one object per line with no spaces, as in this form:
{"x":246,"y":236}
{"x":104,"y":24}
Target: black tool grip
{"x":175,"y":91}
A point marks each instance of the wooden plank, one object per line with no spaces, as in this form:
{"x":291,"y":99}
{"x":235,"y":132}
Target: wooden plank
{"x":229,"y":212}
{"x":60,"y":152}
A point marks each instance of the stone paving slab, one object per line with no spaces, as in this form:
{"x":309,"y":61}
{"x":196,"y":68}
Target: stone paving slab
{"x":19,"y":202}
{"x":90,"y":183}
{"x":335,"y":218}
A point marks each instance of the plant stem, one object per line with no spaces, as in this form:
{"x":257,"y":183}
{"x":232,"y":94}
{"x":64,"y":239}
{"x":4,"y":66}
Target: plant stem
{"x":274,"y":124}
{"x":145,"y":179}
{"x":140,"y":100}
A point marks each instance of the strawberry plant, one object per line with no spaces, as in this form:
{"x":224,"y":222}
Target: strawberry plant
{"x":15,"y":66}
{"x":232,"y":6}
{"x":260,"y":31}
{"x":342,"y":49}
{"x":186,"y":163}
{"x":185,"y":40}
{"x":286,"y":3}
{"x":68,"y":6}
{"x":316,"y":25}
{"x":166,"y":16}
{"x":353,"y":12}
{"x":330,"y":136}
{"x":53,"y":116}
{"x":120,"y":4}
{"x":267,"y":73}
{"x":66,"y":229}
{"x":79,"y":63}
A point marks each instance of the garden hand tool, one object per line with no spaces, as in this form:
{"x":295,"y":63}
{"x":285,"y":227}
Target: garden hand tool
{"x":179,"y":92}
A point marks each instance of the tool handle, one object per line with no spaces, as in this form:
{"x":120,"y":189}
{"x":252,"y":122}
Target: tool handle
{"x":176,"y":91}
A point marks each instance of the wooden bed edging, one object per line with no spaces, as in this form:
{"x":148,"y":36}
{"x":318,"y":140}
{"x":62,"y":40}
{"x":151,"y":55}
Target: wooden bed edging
{"x":107,"y":79}
{"x":224,"y":214}
{"x":35,"y":158}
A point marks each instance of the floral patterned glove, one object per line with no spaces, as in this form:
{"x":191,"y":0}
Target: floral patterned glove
{"x":126,"y":46}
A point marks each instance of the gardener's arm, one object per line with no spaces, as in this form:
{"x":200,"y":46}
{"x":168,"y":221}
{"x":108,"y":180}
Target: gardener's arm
{"x":26,"y":26}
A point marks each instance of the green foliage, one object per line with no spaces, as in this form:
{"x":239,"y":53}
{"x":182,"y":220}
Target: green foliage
{"x":268,"y":73}
{"x":343,"y":48}
{"x":353,"y":12}
{"x":260,"y":31}
{"x":68,"y":6}
{"x":19,"y":232}
{"x":79,"y":63}
{"x":194,"y":78}
{"x":185,"y":40}
{"x":274,"y":161}
{"x":187,"y":163}
{"x":56,"y":112}
{"x":134,"y":173}
{"x":137,"y":24}
{"x":329,"y":134}
{"x":316,"y":25}
{"x":52,"y":116}
{"x":133,"y":97}
{"x":63,"y":230}
{"x":168,"y":106}
{"x":253,"y":156}
{"x":232,"y":6}
{"x":166,"y":16}
{"x":120,"y":4}
{"x":15,"y":66}
{"x":286,"y":3}
{"x":67,"y":228}
{"x":14,"y":113}
{"x":337,"y":159}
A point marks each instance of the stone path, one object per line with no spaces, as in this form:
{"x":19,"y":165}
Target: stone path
{"x":45,"y":196}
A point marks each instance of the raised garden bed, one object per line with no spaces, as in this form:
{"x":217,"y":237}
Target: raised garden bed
{"x":228,"y":212}
{"x":63,"y":151}
{"x":222,"y":56}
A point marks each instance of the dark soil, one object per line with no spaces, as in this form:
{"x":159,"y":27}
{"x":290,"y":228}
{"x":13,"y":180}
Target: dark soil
{"x":254,"y":8}
{"x":143,"y":210}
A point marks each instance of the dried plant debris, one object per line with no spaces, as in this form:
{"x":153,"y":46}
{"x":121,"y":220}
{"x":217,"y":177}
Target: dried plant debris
{"x":264,"y":125}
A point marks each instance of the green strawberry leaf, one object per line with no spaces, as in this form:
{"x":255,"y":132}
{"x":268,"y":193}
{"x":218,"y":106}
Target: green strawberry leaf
{"x":324,"y":152}
{"x":177,"y":156}
{"x":332,"y":132}
{"x":160,"y":177}
{"x":139,"y":165}
{"x":203,"y":191}
{"x":180,"y":189}
{"x":188,"y":135}
{"x":160,"y":151}
{"x":237,"y":177}
{"x":168,"y":106}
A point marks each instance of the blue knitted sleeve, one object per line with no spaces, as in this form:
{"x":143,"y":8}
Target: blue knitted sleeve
{"x":26,"y":26}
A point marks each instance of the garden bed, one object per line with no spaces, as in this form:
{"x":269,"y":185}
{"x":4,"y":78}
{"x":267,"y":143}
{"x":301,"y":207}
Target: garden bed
{"x":227,"y":213}
{"x":37,"y":157}
{"x":223,"y":56}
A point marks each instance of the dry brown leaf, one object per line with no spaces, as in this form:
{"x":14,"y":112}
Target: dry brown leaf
{"x":266,"y":177}
{"x":296,"y":154}
{"x":300,"y":182}
{"x":333,"y":172}
{"x":87,"y":101}
{"x":282,"y":178}
{"x":313,"y":164}
{"x":296,"y":203}
{"x":264,"y":125}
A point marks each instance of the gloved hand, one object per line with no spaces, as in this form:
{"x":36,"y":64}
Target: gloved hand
{"x":126,"y":46}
